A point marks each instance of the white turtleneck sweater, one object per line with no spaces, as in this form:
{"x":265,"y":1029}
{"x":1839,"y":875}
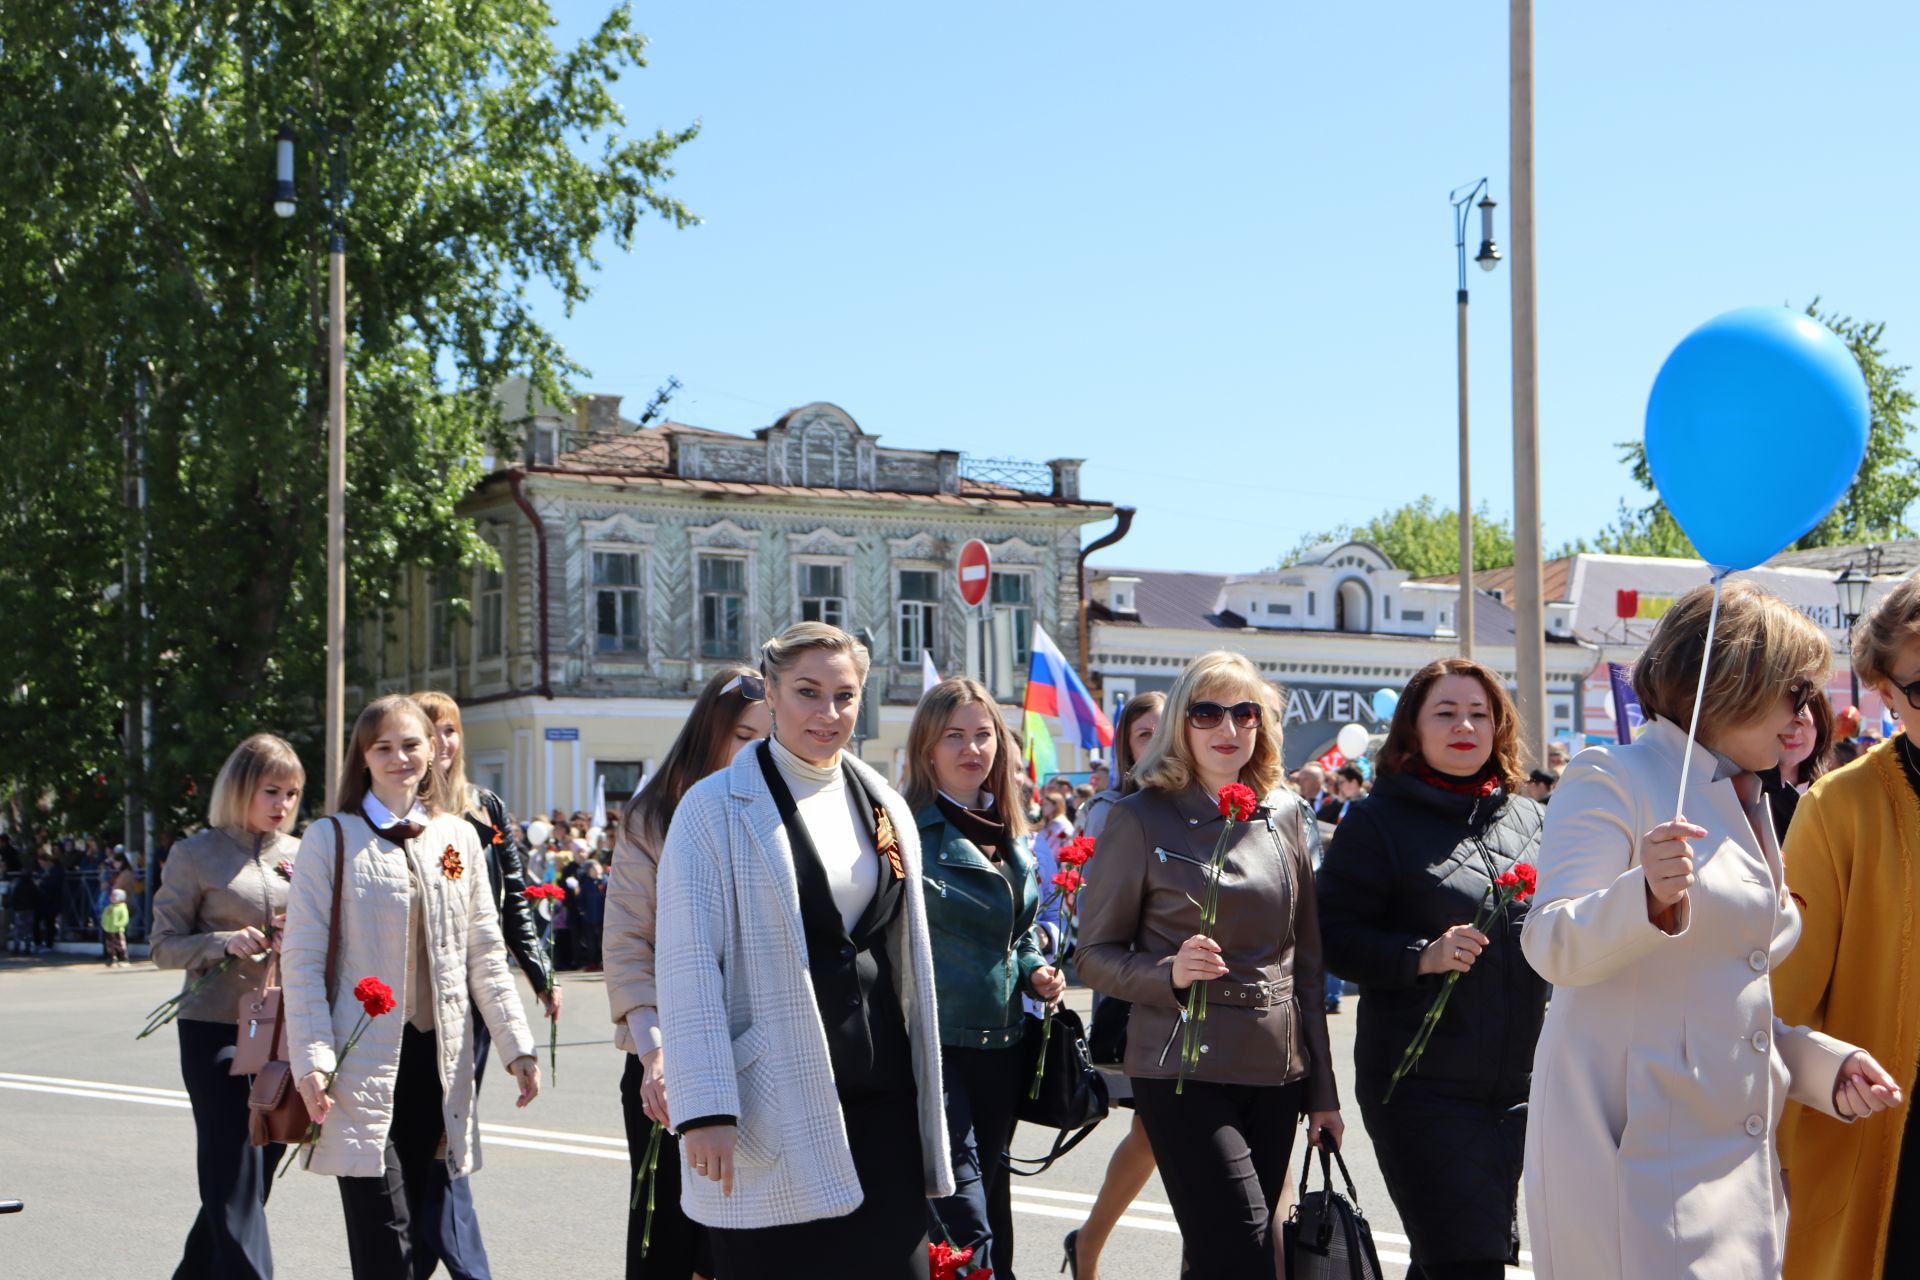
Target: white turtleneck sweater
{"x":829,"y":809}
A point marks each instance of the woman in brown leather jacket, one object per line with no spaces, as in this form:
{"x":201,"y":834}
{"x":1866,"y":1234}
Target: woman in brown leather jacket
{"x":1264,"y":1059}
{"x":224,"y":892}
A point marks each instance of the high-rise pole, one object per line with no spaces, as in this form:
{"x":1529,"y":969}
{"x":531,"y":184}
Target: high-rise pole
{"x":1529,"y":620}
{"x":336,"y":493}
{"x":1463,"y":616}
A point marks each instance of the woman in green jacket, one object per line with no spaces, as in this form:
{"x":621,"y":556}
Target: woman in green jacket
{"x":982,"y":894}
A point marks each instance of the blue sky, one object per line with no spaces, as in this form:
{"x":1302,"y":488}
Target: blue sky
{"x":1208,"y":248}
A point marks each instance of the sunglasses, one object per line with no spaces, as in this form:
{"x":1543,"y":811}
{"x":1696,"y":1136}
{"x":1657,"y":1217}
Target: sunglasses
{"x":752,"y":688}
{"x":1208,"y":715}
{"x":1912,"y":691}
{"x":1803,"y":692}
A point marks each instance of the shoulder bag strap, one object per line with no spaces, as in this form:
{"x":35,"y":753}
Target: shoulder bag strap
{"x":1062,"y":1143}
{"x":333,"y":920}
{"x":277,"y":1040}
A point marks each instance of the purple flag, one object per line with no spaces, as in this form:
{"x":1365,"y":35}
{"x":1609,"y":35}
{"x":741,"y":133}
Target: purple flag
{"x":1627,"y":715}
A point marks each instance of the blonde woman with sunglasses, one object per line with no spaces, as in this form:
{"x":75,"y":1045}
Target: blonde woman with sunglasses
{"x":1223,"y":1136}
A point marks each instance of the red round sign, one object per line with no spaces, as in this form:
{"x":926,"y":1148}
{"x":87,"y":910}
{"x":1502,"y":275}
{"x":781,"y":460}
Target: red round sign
{"x":976,"y":571}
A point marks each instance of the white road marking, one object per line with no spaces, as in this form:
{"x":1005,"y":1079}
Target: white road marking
{"x":1026,"y":1199}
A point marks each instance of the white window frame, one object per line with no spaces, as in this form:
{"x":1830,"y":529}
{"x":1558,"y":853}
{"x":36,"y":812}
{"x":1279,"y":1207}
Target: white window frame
{"x":543,"y":444}
{"x":701,"y":595}
{"x":490,"y":632}
{"x":636,"y":588}
{"x":801,"y":596}
{"x":927,"y":611}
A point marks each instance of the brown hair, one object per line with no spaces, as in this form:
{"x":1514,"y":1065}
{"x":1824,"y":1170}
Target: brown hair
{"x":252,"y":763}
{"x":781,"y":652}
{"x":440,"y":709}
{"x":1401,"y":752}
{"x":356,"y":780}
{"x":1879,"y":635}
{"x":930,"y":719}
{"x":1821,"y":758}
{"x":1762,"y":647}
{"x":700,"y":748}
{"x":1123,"y":762}
{"x":1168,"y":763}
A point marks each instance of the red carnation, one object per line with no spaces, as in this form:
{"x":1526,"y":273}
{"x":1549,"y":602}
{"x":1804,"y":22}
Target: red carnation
{"x":1075,"y":852}
{"x":945,"y":1261}
{"x":1506,"y":879}
{"x":1067,"y":881}
{"x":1237,"y":802}
{"x":375,"y":996}
{"x":1529,"y":876}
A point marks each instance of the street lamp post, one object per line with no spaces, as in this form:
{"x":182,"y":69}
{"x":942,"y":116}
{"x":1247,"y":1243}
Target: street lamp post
{"x":285,"y":204}
{"x":1852,"y":586}
{"x":1488,"y":258}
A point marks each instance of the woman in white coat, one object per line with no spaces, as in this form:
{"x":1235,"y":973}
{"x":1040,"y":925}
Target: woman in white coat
{"x":796,"y":993}
{"x":1662,"y":1071}
{"x":416,"y":912}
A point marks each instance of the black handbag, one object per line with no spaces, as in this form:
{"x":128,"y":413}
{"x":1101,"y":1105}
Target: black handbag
{"x":1107,"y":1037}
{"x":1073,"y":1094}
{"x":1327,"y":1237}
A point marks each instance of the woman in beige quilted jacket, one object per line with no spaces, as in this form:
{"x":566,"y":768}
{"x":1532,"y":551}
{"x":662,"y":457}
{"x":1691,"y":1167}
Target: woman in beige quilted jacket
{"x":416,"y":913}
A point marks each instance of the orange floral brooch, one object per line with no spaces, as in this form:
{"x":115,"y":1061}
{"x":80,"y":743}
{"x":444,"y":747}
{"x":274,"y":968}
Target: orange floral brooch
{"x":450,"y":864}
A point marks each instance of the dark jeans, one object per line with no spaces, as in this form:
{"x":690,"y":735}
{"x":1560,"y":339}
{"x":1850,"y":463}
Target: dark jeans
{"x":228,"y":1240}
{"x":381,"y":1211}
{"x":1222,"y":1151}
{"x":982,"y":1094}
{"x":448,"y":1230}
{"x":678,"y":1247}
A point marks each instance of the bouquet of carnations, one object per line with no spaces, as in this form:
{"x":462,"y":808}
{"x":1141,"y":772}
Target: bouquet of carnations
{"x":1065,"y":894}
{"x":1237,"y":803}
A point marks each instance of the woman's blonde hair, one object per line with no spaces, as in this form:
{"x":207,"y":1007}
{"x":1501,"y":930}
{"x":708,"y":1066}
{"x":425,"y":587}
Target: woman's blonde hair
{"x":252,"y":764}
{"x":1762,"y":648}
{"x":1888,"y":625}
{"x":1219,"y":676}
{"x":442,"y":709}
{"x":930,"y":721}
{"x":779,"y":654}
{"x":356,"y":780}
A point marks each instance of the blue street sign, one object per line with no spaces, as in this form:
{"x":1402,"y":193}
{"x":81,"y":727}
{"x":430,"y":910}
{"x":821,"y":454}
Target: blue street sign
{"x":563,"y":735}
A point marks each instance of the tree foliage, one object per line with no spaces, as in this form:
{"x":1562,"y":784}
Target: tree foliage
{"x":1423,"y":538}
{"x":1875,"y":505}
{"x":151,"y":299}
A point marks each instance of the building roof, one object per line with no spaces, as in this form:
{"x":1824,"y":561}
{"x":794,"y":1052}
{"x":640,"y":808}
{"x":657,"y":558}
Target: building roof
{"x":971,"y":496}
{"x":1897,"y":557}
{"x":1555,"y":579}
{"x":1181,"y":601}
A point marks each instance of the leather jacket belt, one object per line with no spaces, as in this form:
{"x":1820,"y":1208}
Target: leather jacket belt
{"x":1251,"y":995}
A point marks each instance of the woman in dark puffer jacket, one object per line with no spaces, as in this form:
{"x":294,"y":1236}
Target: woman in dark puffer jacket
{"x":1403,"y":881}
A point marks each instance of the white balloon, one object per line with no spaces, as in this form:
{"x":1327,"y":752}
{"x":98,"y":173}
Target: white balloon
{"x":1352,"y":741}
{"x":537,"y":832}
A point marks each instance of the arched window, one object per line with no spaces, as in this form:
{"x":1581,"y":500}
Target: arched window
{"x":1353,"y":607}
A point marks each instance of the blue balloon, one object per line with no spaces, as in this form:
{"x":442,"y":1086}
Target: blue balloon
{"x":1384,"y":701}
{"x":1755,"y":428}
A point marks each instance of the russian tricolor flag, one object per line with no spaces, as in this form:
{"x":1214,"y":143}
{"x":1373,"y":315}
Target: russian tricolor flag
{"x":1053,"y":689}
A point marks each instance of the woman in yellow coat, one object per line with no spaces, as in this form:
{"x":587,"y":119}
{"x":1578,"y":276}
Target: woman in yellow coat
{"x":1850,"y":857}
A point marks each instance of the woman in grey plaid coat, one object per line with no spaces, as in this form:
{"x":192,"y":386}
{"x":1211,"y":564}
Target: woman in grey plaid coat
{"x":796,"y":993}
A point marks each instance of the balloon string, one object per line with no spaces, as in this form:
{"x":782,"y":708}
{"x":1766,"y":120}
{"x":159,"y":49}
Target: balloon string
{"x":1699,"y":695}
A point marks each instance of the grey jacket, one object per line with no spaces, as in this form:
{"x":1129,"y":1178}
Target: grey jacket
{"x":743,"y":1033}
{"x":215,"y":886}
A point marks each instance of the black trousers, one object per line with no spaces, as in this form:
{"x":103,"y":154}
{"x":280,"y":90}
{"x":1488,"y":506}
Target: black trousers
{"x":228,"y":1240}
{"x":983,"y":1088}
{"x":1458,"y":1271}
{"x":1222,"y":1151}
{"x":679,"y":1244}
{"x":1903,"y":1229}
{"x":382,"y":1211}
{"x":884,"y":1239}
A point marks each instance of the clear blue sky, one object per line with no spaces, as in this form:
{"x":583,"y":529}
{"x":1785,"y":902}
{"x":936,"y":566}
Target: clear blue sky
{"x":1208,"y":248}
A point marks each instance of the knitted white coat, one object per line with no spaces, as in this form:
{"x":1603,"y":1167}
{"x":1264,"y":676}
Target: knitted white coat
{"x":464,"y":951}
{"x":742,"y":1029}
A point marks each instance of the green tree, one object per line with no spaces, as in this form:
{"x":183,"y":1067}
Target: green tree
{"x":1875,"y":505}
{"x":151,"y":301}
{"x":1424,"y":538}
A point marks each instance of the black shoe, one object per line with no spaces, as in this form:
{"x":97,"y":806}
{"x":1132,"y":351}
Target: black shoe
{"x":1071,"y":1263}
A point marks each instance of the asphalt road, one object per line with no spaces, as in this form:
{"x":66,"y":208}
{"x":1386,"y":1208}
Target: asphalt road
{"x":95,"y":1136}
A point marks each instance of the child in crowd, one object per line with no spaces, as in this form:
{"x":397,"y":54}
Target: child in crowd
{"x":113,"y":927}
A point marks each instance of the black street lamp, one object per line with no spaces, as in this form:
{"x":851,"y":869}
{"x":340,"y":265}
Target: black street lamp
{"x":1488,"y":258}
{"x":1852,"y":586}
{"x":285,"y":205}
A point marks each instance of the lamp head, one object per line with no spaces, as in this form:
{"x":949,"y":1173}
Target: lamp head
{"x":284,"y":200}
{"x":1489,"y":254}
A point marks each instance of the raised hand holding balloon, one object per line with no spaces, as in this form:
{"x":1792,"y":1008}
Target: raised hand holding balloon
{"x":1756,"y":427}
